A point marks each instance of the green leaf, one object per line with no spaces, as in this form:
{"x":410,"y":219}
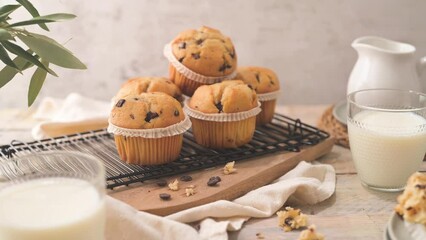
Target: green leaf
{"x":8,"y":73}
{"x":36,"y":83}
{"x":52,"y":51}
{"x":44,"y":19}
{"x":33,"y":11}
{"x":18,"y":51}
{"x":4,"y":57}
{"x":7,"y":9}
{"x":5,"y":35}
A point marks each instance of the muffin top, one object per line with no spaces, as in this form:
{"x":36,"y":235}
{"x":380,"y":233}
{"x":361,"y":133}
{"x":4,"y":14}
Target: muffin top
{"x":225,"y":97}
{"x":146,"y":111}
{"x":262,"y":80}
{"x":138,"y":85}
{"x":205,"y":51}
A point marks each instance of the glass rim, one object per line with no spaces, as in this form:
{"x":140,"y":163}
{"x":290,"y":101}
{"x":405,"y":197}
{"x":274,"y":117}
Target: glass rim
{"x":92,"y":178}
{"x":350,"y":100}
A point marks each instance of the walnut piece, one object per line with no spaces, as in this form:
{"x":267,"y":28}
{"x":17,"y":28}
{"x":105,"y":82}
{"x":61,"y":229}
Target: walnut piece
{"x":311,"y":234}
{"x":229,"y":168}
{"x":291,"y":219}
{"x":174,"y":186}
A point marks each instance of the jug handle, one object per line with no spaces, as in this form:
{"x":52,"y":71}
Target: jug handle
{"x":421,"y":65}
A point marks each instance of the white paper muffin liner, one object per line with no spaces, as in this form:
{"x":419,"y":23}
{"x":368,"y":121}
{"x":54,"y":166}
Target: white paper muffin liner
{"x":168,"y":53}
{"x":169,"y":131}
{"x":268,"y":96}
{"x":221,"y":117}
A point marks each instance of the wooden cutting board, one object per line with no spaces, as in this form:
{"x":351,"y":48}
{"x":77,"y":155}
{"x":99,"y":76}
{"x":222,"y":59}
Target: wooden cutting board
{"x":251,"y":174}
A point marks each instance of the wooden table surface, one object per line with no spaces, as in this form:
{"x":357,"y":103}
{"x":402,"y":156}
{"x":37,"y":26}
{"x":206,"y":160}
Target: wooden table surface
{"x":353,"y":212}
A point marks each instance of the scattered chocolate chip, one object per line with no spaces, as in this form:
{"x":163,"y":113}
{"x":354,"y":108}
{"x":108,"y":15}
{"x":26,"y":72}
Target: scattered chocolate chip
{"x":224,"y":67}
{"x":420,"y":186}
{"x":162,"y":183}
{"x":182,"y":45}
{"x":288,"y":221}
{"x":257,"y":77}
{"x":132,"y":116}
{"x":120,"y":103}
{"x":213,"y":181}
{"x":219,"y":107}
{"x":196,"y":55}
{"x":176,"y":113}
{"x":199,"y":41}
{"x":165,"y":196}
{"x":151,"y":115}
{"x":181,"y":59}
{"x":186,"y":178}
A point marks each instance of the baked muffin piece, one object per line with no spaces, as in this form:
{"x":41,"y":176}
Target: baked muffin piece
{"x":205,"y":51}
{"x":311,"y":234}
{"x":263,"y":81}
{"x":223,"y":115}
{"x":290,"y":219}
{"x":138,"y":85}
{"x":412,"y":202}
{"x":155,"y":112}
{"x":226,"y":97}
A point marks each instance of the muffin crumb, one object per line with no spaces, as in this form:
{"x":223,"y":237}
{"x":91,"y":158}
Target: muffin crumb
{"x":260,"y":236}
{"x":291,"y":219}
{"x":189,"y":191}
{"x":174,"y":186}
{"x":412,"y":202}
{"x":229,"y":168}
{"x":311,"y":234}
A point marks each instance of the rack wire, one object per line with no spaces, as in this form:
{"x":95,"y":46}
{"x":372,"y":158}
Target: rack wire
{"x":283,"y":134}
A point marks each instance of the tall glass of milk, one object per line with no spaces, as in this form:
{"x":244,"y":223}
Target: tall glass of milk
{"x":52,"y":196}
{"x":387,"y":136}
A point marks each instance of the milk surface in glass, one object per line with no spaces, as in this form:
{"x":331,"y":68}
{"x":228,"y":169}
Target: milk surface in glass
{"x":51,"y":209}
{"x":387,"y":147}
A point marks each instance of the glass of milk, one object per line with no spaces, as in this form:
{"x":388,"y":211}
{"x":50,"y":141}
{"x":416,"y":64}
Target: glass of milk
{"x":387,"y":136}
{"x":52,"y":196}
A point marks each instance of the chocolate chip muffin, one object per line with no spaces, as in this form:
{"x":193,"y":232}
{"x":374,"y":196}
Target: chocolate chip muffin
{"x":412,"y":202}
{"x":223,"y":115}
{"x":199,"y":57}
{"x":266,"y":84}
{"x":145,"y":125}
{"x":138,"y":85}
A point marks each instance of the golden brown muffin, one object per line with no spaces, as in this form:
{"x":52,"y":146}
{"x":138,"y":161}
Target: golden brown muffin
{"x":263,"y":81}
{"x":205,"y":51}
{"x":412,"y":202}
{"x":138,"y":85}
{"x":216,"y":114}
{"x":152,"y":112}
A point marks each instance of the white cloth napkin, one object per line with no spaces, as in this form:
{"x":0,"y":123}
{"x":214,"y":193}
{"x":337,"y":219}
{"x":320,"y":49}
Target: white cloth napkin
{"x":306,"y":182}
{"x":73,"y":114}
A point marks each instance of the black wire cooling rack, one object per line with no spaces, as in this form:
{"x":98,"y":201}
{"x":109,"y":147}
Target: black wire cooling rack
{"x":283,"y":134}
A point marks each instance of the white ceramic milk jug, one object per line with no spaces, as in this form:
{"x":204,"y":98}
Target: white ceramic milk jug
{"x":384,"y":63}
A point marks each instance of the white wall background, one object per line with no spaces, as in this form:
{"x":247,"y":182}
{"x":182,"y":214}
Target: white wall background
{"x":306,"y":42}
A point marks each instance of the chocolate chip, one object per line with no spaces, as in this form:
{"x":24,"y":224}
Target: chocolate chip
{"x":168,"y":82}
{"x":213,"y":181}
{"x":199,"y":41}
{"x":232,"y":54}
{"x":151,"y":115}
{"x":162,"y":183}
{"x":181,"y":59}
{"x":272,"y":82}
{"x":409,"y":208}
{"x":419,"y":186}
{"x":288,"y":221}
{"x":219,"y":107}
{"x":224,"y":67}
{"x":120,"y":103}
{"x":136,"y":99}
{"x":250,"y":86}
{"x":196,"y":55}
{"x":186,"y":178}
{"x":165,"y":196}
{"x":257,"y":77}
{"x":176,"y":113}
{"x":132,"y":116}
{"x":182,"y":45}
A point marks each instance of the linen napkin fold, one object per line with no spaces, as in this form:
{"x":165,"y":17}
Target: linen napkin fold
{"x":73,"y":114}
{"x":309,"y":183}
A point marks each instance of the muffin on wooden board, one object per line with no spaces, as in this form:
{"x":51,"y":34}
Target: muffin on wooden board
{"x":148,"y":128}
{"x":223,"y":115}
{"x":200,"y":57}
{"x":266,"y":84}
{"x":138,"y":85}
